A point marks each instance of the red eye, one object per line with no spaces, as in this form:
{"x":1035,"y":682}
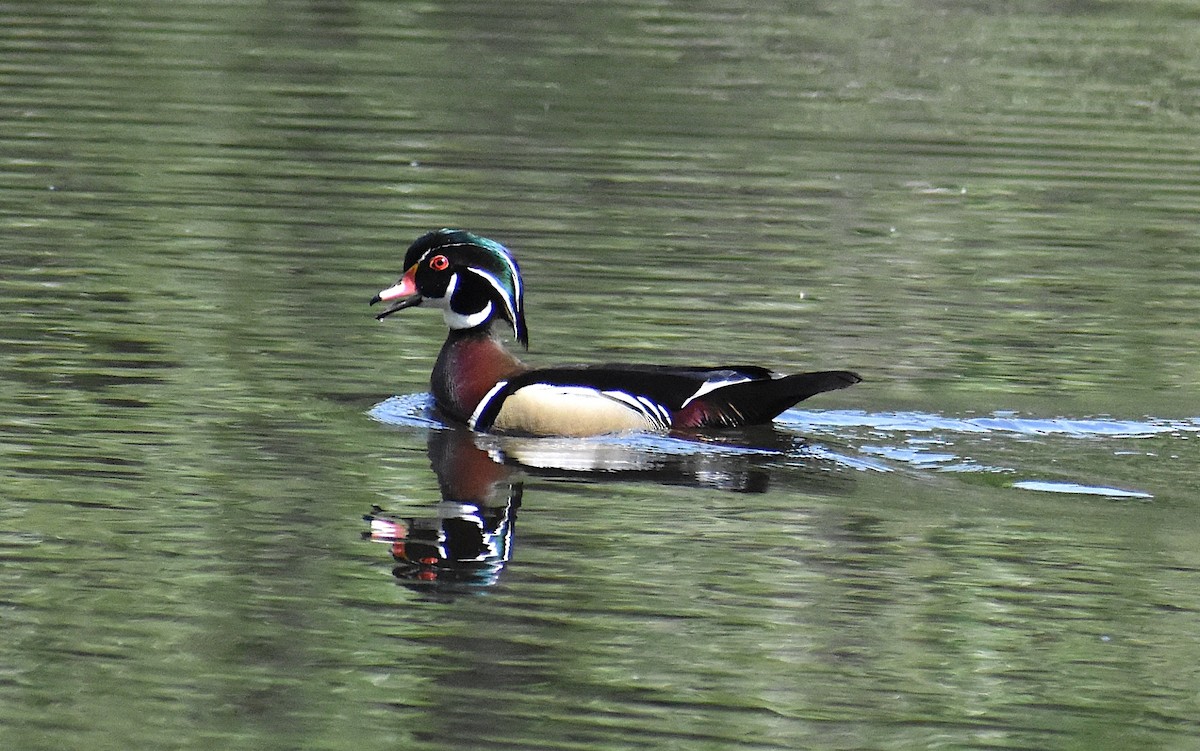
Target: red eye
{"x":439,"y":263}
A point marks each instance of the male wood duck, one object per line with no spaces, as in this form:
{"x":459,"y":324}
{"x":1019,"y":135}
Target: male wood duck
{"x":476,"y":380}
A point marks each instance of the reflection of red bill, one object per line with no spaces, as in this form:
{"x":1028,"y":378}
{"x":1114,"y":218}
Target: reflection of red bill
{"x":395,"y":533}
{"x":392,"y":532}
{"x":387,"y":530}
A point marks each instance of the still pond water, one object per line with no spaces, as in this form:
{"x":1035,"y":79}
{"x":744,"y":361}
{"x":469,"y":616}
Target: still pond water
{"x":988,"y":209}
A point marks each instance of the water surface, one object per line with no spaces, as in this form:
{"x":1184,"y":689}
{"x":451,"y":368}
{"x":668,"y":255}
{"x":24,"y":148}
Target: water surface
{"x":988,"y":211}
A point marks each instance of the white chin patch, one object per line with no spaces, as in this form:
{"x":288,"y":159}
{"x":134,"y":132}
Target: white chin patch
{"x":463,"y":321}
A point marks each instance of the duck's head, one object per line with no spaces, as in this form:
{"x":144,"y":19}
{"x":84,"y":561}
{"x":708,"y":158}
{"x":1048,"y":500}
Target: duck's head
{"x":473,"y":280}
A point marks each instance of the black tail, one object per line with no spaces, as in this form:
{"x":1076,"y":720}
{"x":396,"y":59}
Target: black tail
{"x":758,"y":401}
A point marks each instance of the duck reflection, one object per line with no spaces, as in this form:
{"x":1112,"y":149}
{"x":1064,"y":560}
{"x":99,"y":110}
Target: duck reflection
{"x":463,"y":542}
{"x":467,"y":539}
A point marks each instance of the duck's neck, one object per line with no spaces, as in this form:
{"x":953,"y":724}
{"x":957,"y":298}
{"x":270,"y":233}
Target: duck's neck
{"x":470,"y":364}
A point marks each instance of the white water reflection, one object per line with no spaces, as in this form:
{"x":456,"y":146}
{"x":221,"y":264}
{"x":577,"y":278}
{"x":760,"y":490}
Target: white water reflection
{"x":1077,"y":489}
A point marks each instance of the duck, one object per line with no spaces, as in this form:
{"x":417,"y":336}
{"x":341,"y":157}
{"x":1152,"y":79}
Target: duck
{"x":479,"y":382}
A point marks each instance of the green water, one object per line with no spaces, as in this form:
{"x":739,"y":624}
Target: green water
{"x":988,"y":209}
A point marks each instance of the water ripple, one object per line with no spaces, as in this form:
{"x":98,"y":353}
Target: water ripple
{"x":932,"y":448}
{"x":926,"y":441}
{"x":998,"y":422}
{"x":413,"y":410}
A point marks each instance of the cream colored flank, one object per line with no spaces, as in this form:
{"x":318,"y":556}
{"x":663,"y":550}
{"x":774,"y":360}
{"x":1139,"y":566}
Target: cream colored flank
{"x":543,"y":409}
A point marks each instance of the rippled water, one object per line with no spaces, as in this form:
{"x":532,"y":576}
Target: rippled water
{"x":881,"y":442}
{"x":230,"y":522}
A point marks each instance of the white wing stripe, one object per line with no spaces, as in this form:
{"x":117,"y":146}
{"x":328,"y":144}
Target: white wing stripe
{"x":654,"y":412}
{"x":709,"y":386}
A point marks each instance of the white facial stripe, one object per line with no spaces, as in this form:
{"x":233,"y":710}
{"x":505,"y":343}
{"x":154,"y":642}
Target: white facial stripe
{"x":436,"y":248}
{"x":444,"y":300}
{"x":515,"y":273}
{"x":457,"y":320}
{"x":508,"y":303}
{"x":450,"y":287}
{"x":508,"y":261}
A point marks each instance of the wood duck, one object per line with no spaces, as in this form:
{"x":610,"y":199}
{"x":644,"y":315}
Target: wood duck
{"x":476,"y":283}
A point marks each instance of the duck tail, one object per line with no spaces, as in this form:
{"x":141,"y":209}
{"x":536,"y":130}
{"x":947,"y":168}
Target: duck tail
{"x":761,"y":400}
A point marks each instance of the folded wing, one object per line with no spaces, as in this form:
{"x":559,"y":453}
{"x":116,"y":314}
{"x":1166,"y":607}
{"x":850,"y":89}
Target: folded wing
{"x":614,"y":398}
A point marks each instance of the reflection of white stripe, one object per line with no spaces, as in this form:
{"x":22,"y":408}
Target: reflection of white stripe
{"x":709,"y":386}
{"x":483,"y":403}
